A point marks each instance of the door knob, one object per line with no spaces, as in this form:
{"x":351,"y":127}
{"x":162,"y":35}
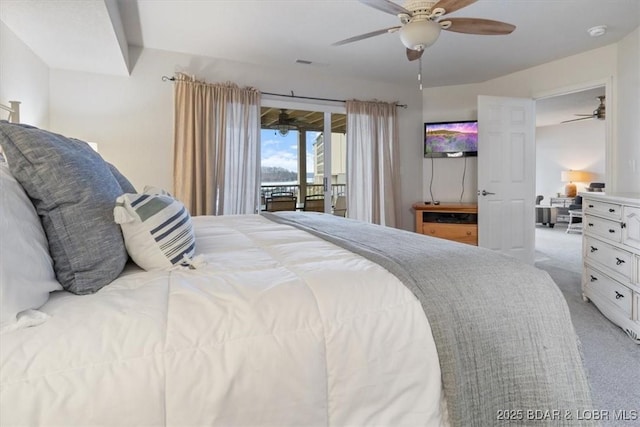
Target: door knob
{"x":485,"y":193}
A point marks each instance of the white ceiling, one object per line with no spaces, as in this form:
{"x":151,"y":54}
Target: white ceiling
{"x":94,"y":35}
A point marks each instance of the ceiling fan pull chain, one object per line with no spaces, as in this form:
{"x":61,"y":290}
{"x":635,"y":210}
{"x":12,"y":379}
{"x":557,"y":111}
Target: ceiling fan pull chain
{"x":420,"y":72}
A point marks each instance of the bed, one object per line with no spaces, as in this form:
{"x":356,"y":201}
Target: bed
{"x":280,"y":319}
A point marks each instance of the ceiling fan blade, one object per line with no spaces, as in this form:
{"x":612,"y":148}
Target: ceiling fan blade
{"x":484,"y":27}
{"x":412,"y":55}
{"x":599,"y":113}
{"x":387,"y":6}
{"x":452,"y":5}
{"x":366,"y":36}
{"x":575,"y":120}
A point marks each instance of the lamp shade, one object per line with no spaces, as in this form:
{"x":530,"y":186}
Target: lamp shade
{"x":419,"y":35}
{"x":570,"y":177}
{"x":575,"y":176}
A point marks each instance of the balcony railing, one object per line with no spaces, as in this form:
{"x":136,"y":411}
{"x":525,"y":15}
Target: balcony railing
{"x":310,"y":189}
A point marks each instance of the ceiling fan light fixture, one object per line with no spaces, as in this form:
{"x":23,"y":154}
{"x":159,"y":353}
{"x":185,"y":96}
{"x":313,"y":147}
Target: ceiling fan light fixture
{"x":283,"y":129}
{"x":419,"y":35}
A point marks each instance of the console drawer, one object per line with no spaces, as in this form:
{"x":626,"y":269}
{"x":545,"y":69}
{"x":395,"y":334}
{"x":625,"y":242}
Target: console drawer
{"x":610,"y":290}
{"x":605,"y":209}
{"x":611,"y":230}
{"x":611,"y":257}
{"x":465,"y":233}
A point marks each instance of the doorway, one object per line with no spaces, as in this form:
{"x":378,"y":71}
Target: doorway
{"x":571,"y":135}
{"x":297,"y":158}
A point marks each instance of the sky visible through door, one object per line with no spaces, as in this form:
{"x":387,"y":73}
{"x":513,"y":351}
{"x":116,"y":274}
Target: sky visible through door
{"x":282,"y":151}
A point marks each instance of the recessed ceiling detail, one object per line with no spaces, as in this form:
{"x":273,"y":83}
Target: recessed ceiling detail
{"x":71,"y":35}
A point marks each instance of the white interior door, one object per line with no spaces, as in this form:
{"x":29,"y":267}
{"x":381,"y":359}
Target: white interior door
{"x":506,"y":175}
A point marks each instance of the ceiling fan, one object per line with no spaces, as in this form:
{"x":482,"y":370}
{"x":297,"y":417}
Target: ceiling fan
{"x":599,"y":113}
{"x":286,"y":123}
{"x":422,"y":20}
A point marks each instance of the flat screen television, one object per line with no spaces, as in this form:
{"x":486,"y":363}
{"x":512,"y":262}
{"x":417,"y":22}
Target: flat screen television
{"x":451,"y":139}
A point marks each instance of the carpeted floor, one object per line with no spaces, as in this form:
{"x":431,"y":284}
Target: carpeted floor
{"x":611,"y":358}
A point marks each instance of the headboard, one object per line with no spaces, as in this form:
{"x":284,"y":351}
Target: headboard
{"x":14,"y":111}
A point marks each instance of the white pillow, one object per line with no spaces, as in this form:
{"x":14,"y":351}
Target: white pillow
{"x":157,"y":229}
{"x":26,"y":268}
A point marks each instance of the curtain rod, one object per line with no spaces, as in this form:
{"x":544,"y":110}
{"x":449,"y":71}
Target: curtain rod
{"x":316,"y":99}
{"x":165,"y":78}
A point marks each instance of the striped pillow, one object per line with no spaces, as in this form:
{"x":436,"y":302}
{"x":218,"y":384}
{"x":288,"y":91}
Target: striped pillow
{"x":157,"y":230}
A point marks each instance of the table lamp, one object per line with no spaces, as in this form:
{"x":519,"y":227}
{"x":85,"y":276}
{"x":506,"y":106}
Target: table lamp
{"x":570,"y":177}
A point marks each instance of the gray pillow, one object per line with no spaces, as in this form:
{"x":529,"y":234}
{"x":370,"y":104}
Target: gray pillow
{"x":73,"y":190}
{"x":125,"y":184}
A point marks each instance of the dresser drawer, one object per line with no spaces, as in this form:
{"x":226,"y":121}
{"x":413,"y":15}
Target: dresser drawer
{"x":465,"y":233}
{"x":608,"y":289}
{"x":606,"y":209}
{"x":609,"y":256}
{"x":610,"y":230}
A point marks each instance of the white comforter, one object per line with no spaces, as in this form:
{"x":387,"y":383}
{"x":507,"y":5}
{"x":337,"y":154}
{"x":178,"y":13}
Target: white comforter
{"x":278,"y":328}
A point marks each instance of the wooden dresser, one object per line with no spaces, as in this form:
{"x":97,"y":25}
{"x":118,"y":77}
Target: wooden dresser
{"x":452,"y":221}
{"x":611,"y":255}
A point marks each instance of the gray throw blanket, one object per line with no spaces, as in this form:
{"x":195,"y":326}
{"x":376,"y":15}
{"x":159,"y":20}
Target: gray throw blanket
{"x":507,"y":348}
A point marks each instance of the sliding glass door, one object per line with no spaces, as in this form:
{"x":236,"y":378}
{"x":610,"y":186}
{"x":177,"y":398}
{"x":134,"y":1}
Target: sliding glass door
{"x":297,"y":159}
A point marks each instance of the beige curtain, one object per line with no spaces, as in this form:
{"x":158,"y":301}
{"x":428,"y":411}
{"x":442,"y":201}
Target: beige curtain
{"x":372,"y":162}
{"x":216,"y":147}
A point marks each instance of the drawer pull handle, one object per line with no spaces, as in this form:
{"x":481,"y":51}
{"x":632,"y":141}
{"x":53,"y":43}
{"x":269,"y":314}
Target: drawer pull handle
{"x":623,"y":225}
{"x":619,"y":261}
{"x":593,"y":249}
{"x":611,"y":230}
{"x":468,"y":233}
{"x":612,"y":210}
{"x":593,"y":278}
{"x":590,"y":224}
{"x":590,"y":206}
{"x":619,"y":295}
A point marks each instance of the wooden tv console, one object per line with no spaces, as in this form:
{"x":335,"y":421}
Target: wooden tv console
{"x":451,"y":221}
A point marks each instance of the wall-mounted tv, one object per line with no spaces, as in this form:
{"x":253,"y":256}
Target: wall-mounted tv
{"x":451,"y":139}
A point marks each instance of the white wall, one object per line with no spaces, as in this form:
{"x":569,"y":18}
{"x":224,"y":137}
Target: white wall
{"x":627,"y":155}
{"x":23,"y":77}
{"x":570,"y":146}
{"x":618,"y":63}
{"x":443,"y":177}
{"x":131,"y":118}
